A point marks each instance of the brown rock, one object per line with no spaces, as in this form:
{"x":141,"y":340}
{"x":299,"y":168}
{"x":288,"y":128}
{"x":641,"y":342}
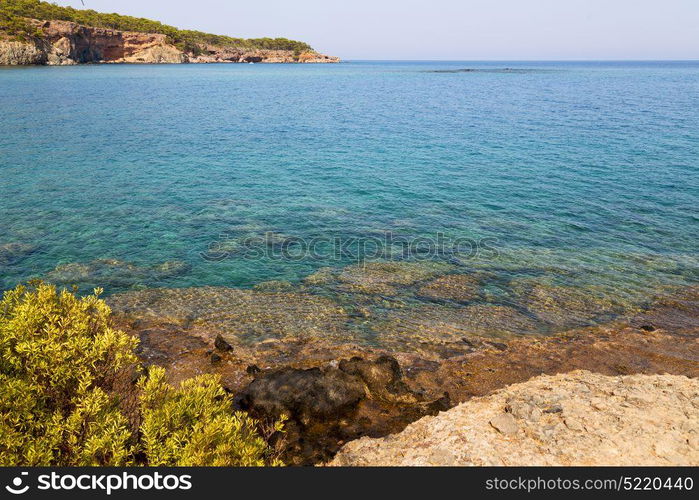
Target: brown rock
{"x":221,"y":344}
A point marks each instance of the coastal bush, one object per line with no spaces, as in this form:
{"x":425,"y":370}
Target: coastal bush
{"x":16,"y":26}
{"x":191,"y":40}
{"x":67,"y":396}
{"x":193,"y":424}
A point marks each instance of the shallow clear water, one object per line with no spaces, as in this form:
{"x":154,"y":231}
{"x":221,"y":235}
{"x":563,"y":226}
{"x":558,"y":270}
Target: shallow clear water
{"x":577,"y":173}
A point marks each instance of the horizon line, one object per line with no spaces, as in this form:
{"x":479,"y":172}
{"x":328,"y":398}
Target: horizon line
{"x":517,"y":60}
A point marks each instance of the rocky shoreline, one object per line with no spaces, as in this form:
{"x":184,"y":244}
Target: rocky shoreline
{"x":335,"y":389}
{"x":366,"y":350}
{"x":67,"y":43}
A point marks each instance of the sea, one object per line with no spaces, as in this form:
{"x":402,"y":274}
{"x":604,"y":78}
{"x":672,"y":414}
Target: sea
{"x":572,"y":175}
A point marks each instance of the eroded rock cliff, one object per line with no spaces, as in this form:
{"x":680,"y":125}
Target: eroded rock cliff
{"x":67,"y":43}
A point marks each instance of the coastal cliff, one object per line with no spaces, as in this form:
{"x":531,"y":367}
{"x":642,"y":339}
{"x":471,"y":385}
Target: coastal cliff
{"x":66,"y":43}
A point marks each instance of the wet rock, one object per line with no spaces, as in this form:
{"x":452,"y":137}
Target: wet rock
{"x":274,"y":286}
{"x":161,"y":345}
{"x":303,"y":394}
{"x":323,"y":276}
{"x":426,"y":327}
{"x":476,"y":369}
{"x":171,"y":268}
{"x":498,"y":345}
{"x":677,"y":310}
{"x":221,"y":344}
{"x":239,"y":315}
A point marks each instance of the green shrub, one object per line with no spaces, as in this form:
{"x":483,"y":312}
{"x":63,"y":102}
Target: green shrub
{"x":193,"y":424}
{"x":67,"y":397}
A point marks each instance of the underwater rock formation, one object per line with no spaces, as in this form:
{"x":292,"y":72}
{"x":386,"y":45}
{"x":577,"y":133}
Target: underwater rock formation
{"x":565,"y":306}
{"x":248,"y":315}
{"x":448,"y":330}
{"x":13,"y":252}
{"x":112,"y":272}
{"x":382,"y":278}
{"x":453,"y":287}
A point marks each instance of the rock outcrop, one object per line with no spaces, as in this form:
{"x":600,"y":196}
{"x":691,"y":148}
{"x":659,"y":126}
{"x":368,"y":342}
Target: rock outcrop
{"x":579,"y":418}
{"x":67,"y":43}
{"x":329,"y":406}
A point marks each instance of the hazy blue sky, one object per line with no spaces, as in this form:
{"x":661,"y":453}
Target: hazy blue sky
{"x":445,"y":29}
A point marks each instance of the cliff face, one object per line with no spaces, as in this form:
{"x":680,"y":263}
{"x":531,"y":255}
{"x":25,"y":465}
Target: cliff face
{"x":67,"y":43}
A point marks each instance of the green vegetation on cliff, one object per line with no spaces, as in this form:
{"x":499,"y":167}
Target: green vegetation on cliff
{"x":72,"y":394}
{"x":13,"y":12}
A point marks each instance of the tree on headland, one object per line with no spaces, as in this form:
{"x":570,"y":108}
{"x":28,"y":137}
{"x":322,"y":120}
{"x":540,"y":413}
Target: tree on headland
{"x":13,"y":15}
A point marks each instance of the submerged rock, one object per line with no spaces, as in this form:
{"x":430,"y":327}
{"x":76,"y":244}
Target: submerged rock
{"x":678,"y":311}
{"x":274,"y":286}
{"x":424,"y":328}
{"x":599,"y":420}
{"x":384,"y":278}
{"x":323,"y":276}
{"x":453,"y":287}
{"x":239,"y":315}
{"x":565,"y":306}
{"x":112,"y":272}
{"x":13,"y":252}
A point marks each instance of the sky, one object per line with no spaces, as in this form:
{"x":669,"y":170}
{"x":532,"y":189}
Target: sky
{"x":444,"y":29}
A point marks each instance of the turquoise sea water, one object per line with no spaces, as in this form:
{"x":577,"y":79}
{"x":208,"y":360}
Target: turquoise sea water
{"x":585,"y":174}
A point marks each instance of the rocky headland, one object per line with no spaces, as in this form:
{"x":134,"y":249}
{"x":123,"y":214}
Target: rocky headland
{"x":61,"y":43}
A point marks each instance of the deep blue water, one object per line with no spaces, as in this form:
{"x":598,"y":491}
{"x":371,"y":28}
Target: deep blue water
{"x":587,"y":173}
